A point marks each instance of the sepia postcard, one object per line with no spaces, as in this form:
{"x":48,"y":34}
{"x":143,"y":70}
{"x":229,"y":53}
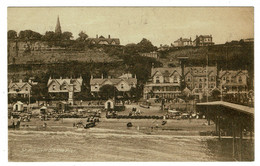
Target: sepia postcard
{"x":130,"y":84}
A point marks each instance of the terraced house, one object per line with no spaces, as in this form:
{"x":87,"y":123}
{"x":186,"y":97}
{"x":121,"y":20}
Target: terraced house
{"x":234,"y":81}
{"x":201,"y":80}
{"x":123,"y":83}
{"x":20,"y":88}
{"x":101,"y":40}
{"x":165,"y":82}
{"x":64,"y":85}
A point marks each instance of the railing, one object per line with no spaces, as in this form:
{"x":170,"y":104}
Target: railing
{"x":239,"y":98}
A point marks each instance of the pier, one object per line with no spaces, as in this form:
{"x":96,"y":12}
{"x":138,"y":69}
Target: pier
{"x":231,"y":120}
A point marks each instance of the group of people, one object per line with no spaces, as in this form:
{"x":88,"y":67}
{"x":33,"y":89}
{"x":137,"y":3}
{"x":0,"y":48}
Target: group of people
{"x":15,"y":124}
{"x":135,"y":112}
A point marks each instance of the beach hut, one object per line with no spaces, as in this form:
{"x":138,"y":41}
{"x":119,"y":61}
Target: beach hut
{"x":18,"y":106}
{"x":62,"y":106}
{"x":109,"y":104}
{"x":43,"y":110}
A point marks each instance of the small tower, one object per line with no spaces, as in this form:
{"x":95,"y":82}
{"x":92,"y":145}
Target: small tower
{"x":71,"y":94}
{"x":58,"y":27}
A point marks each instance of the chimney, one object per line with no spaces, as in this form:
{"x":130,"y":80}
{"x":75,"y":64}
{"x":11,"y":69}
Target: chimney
{"x":96,"y":36}
{"x":102,"y":76}
{"x":60,"y":78}
{"x":109,"y":36}
{"x":91,"y":77}
{"x":135,"y":76}
{"x":109,"y":77}
{"x":20,"y":80}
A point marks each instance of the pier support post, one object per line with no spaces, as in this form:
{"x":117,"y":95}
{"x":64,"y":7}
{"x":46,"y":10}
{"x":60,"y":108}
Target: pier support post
{"x":216,"y":123}
{"x":219,"y":133}
{"x":234,"y":139}
{"x":240,"y":141}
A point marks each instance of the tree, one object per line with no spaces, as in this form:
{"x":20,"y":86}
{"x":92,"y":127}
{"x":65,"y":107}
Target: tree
{"x":29,"y":35}
{"x":66,"y":35}
{"x":50,"y":36}
{"x":133,"y":92}
{"x":146,"y":46}
{"x":11,"y":34}
{"x":108,"y":91}
{"x":216,"y":94}
{"x":39,"y":92}
{"x":82,"y":36}
{"x":131,"y":49}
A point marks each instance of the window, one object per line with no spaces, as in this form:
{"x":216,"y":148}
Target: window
{"x":200,"y":80}
{"x":200,"y":85}
{"x":240,"y":79}
{"x":53,"y":87}
{"x":212,"y":85}
{"x":26,"y":89}
{"x":212,"y":78}
{"x":175,"y":80}
{"x":122,"y":86}
{"x":224,"y":78}
{"x":157,"y":79}
{"x":227,"y":79}
{"x":233,"y":79}
{"x":96,"y":86}
{"x":188,"y":79}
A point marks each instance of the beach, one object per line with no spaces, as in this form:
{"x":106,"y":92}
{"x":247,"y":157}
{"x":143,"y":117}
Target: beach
{"x":112,"y":140}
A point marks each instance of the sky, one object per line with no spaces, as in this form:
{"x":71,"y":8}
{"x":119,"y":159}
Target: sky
{"x":160,"y":25}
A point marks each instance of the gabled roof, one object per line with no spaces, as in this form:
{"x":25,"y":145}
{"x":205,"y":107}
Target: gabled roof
{"x":165,"y":71}
{"x":19,"y":102}
{"x":127,"y":75}
{"x":200,"y":71}
{"x":18,"y":84}
{"x":233,"y":73}
{"x":108,"y":40}
{"x":183,"y":40}
{"x":60,"y":81}
{"x":114,"y":81}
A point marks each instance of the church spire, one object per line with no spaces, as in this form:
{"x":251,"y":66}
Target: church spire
{"x":58,"y":27}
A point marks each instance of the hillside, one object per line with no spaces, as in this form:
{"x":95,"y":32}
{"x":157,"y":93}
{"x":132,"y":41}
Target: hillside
{"x":111,"y":61}
{"x":59,"y":56}
{"x":230,"y":57}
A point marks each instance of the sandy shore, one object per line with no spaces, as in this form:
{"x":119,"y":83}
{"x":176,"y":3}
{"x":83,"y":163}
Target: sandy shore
{"x":112,"y":140}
